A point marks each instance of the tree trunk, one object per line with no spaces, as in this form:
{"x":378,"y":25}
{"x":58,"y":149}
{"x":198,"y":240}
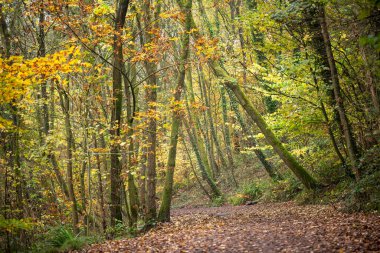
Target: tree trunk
{"x":212,"y":128}
{"x":151,"y":97}
{"x":100,"y":185}
{"x":231,"y":83}
{"x":117,"y":95}
{"x":301,"y":173}
{"x":215,"y":192}
{"x":46,"y":126}
{"x":205,"y":149}
{"x":133,"y":196}
{"x":353,"y":152}
{"x":164,"y":212}
{"x":252,"y":142}
{"x":193,"y":169}
{"x":13,"y":134}
{"x":65,"y":104}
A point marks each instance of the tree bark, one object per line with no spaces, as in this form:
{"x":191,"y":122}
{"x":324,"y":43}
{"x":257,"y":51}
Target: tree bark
{"x":215,"y":192}
{"x":151,"y":97}
{"x":132,"y":160}
{"x":252,"y":142}
{"x":353,"y":152}
{"x":117,"y":95}
{"x":100,"y":185}
{"x":65,"y":104}
{"x":164,"y":212}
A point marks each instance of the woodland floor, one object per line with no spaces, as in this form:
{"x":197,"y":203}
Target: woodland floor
{"x":275,"y":227}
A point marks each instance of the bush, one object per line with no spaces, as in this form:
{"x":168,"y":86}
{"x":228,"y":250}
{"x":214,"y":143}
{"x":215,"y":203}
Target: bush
{"x":253,"y":191}
{"x":333,"y":193}
{"x":237,"y":199}
{"x":365,"y":195}
{"x":16,"y":233}
{"x":61,"y":239}
{"x":119,"y":230}
{"x":218,"y":201}
{"x":370,"y":161}
{"x":285,"y":189}
{"x":331,"y":173}
{"x":249,"y":192}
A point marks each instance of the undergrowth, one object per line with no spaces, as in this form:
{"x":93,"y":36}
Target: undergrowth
{"x":352,"y":196}
{"x":63,"y":239}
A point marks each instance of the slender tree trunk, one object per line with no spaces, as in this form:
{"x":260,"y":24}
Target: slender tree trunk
{"x":353,"y":152}
{"x":231,"y":83}
{"x":132,"y":160}
{"x":100,"y":185}
{"x":241,"y":38}
{"x":164,"y":212}
{"x":86,"y":167}
{"x":203,"y":144}
{"x":151,"y":96}
{"x":215,"y":192}
{"x":46,"y":126}
{"x":312,"y":22}
{"x":193,"y":169}
{"x":82,"y":185}
{"x":15,"y":161}
{"x":329,"y":127}
{"x":211,"y":123}
{"x":143,"y":158}
{"x":13,"y":134}
{"x":204,"y":128}
{"x":65,"y":104}
{"x":199,"y":145}
{"x":102,"y":143}
{"x":227,"y":134}
{"x":142,"y":181}
{"x":117,"y":94}
{"x":252,"y":142}
{"x":372,"y":84}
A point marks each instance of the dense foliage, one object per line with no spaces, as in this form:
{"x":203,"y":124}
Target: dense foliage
{"x":112,"y":110}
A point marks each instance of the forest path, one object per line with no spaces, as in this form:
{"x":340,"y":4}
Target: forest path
{"x":274,"y":227}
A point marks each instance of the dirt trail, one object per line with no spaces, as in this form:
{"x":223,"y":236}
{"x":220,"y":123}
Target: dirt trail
{"x":277,"y":227}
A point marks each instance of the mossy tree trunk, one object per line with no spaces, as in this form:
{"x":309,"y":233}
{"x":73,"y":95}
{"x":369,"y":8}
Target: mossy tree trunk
{"x":300,"y":172}
{"x":231,"y":83}
{"x":252,"y":142}
{"x":151,"y":24}
{"x":164,"y":212}
{"x":215,"y":192}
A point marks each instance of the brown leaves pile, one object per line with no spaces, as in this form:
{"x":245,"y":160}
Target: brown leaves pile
{"x":276,"y":227}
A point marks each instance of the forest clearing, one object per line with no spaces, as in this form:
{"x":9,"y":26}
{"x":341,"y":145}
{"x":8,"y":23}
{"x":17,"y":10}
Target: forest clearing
{"x":189,"y":126}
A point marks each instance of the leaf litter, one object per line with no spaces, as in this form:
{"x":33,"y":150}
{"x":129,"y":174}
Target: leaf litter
{"x":269,"y":227}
